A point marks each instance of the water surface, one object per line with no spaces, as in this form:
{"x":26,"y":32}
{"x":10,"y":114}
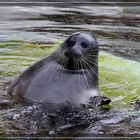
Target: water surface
{"x":28,"y":34}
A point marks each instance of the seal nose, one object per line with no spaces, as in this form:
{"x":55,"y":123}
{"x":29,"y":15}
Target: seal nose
{"x":73,"y":52}
{"x":68,"y":53}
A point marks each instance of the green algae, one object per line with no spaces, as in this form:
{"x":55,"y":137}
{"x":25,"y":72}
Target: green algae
{"x":119,"y":78}
{"x":15,"y":56}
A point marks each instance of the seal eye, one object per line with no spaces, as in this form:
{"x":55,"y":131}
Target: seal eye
{"x":84,"y":45}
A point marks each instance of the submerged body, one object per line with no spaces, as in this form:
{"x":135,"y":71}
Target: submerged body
{"x":70,"y":74}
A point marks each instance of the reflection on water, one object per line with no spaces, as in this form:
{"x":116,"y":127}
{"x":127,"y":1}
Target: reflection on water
{"x":117,"y":30}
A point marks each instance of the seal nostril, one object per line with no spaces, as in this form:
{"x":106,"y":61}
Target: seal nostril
{"x":68,"y":53}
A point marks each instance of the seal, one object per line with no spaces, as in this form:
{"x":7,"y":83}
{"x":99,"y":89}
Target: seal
{"x":70,"y":74}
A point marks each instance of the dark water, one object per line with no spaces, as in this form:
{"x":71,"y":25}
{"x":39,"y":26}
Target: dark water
{"x":117,"y":30}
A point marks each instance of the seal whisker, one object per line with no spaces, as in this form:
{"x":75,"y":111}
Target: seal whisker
{"x":39,"y":69}
{"x":50,"y":64}
{"x":93,"y":56}
{"x":94,"y":71}
{"x":75,"y":68}
{"x":62,"y":65}
{"x":84,"y":74}
{"x":53,"y":73}
{"x":64,"y":61}
{"x":87,"y":59}
{"x":91,"y":68}
{"x":85,"y":66}
{"x":78,"y":68}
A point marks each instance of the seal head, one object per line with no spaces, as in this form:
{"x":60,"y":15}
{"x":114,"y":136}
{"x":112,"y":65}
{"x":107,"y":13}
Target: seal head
{"x":79,"y":49}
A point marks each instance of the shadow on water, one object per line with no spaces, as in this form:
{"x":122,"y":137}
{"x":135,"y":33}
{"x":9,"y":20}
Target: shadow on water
{"x":29,"y":33}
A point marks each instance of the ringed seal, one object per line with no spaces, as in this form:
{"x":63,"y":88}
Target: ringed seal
{"x":70,"y":74}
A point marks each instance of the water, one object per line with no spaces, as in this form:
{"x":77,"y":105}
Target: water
{"x":29,"y":33}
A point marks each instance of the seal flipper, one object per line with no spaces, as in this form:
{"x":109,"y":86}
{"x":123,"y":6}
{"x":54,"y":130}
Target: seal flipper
{"x":99,"y":101}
